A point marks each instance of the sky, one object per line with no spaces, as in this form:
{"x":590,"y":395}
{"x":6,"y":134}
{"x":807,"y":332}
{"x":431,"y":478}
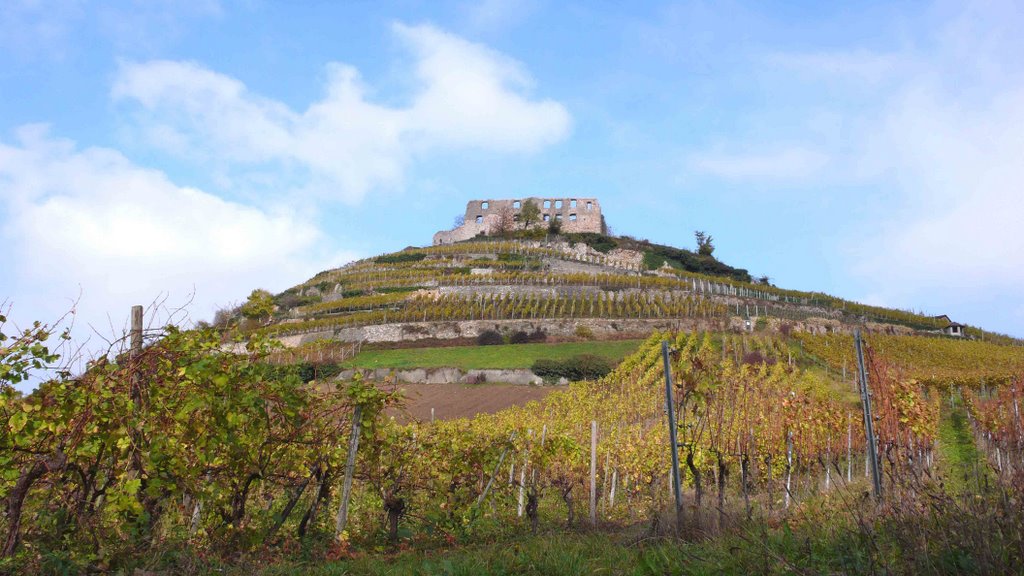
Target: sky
{"x":189,"y":152}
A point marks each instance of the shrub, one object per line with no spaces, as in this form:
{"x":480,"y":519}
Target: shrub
{"x":309,"y":371}
{"x":289,"y":300}
{"x":490,"y":338}
{"x":653,"y":261}
{"x":259,"y":306}
{"x":589,"y":367}
{"x":584,"y":332}
{"x":599,"y":242}
{"x":519,"y":337}
{"x":581,"y":367}
{"x":547,"y":368}
{"x":760,"y":324}
{"x":400,"y":257}
{"x":538,"y":335}
{"x":397,"y":289}
{"x":757,"y":358}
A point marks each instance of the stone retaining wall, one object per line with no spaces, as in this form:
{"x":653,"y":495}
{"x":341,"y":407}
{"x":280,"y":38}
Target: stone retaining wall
{"x":562,"y":328}
{"x":447,"y":376}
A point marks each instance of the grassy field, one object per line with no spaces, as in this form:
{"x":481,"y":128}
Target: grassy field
{"x":479,"y":357}
{"x":962,"y":462}
{"x":757,"y":549}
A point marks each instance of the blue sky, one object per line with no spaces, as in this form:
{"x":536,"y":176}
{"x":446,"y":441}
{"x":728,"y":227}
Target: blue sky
{"x":192,"y":151}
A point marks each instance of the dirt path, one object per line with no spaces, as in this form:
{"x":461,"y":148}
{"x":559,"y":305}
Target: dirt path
{"x":451,"y":401}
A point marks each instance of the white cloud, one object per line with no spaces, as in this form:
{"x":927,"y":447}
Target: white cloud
{"x":491,"y":15}
{"x":929,"y":131}
{"x":54,"y":29}
{"x":784,"y":163}
{"x":945,"y":140}
{"x":91,"y":219}
{"x":856,"y":66}
{"x":468,"y":96}
{"x":956,"y":220}
{"x":29,"y":28}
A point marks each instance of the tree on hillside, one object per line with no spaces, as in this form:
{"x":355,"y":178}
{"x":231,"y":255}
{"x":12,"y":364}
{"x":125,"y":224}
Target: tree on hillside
{"x":704,"y":245}
{"x":460,"y":219}
{"x":259,"y":306}
{"x":529,"y":214}
{"x":554,"y":226}
{"x":504,"y":222}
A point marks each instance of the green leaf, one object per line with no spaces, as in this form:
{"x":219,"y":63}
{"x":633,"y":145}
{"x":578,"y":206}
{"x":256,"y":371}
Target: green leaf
{"x":18,"y":421}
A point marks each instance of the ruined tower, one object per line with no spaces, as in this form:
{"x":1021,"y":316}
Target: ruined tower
{"x":484,"y":217}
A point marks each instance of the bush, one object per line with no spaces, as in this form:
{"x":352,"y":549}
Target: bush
{"x":581,"y":367}
{"x":289,"y":300}
{"x":756,"y":358}
{"x":309,"y":371}
{"x":599,"y":242}
{"x":653,"y":261}
{"x":656,"y":254}
{"x":400,"y":257}
{"x":584,"y":332}
{"x":397,"y":289}
{"x":547,"y":368}
{"x":490,"y":338}
{"x":519,"y":337}
{"x":538,"y":335}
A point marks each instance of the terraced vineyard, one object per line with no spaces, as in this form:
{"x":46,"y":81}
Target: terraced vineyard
{"x":519,"y":280}
{"x":931,"y":361}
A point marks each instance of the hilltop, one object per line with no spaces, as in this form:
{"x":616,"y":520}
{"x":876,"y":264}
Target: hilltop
{"x":610,"y":287}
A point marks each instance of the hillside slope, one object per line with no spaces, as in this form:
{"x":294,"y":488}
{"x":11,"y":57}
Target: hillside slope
{"x":611,"y":287}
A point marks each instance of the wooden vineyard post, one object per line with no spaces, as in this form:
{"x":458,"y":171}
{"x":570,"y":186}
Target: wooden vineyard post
{"x":350,"y":465}
{"x":593,"y":472}
{"x":497,"y":467}
{"x":828,"y":465}
{"x":849,"y":448}
{"x":673,"y":440}
{"x":134,"y":352}
{"x":543,"y":436}
{"x":789,"y":465}
{"x":522,"y":477}
{"x":865,"y":396}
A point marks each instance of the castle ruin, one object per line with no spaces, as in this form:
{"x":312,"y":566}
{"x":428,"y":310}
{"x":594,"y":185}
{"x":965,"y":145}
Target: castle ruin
{"x":484,"y":217}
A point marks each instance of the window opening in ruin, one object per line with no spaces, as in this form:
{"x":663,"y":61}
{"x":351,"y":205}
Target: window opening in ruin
{"x":558,"y":204}
{"x":590,"y":205}
{"x":547,"y":217}
{"x":479,"y":219}
{"x":547,"y":204}
{"x":484,"y":205}
{"x":572,"y":217}
{"x":516,"y":204}
{"x":558,"y":216}
{"x":572,"y":203}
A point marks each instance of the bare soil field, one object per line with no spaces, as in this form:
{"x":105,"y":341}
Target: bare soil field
{"x":451,"y":401}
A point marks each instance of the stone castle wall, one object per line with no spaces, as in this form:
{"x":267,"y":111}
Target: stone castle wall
{"x":483,"y":216}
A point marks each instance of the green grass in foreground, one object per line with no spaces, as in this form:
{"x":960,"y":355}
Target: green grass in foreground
{"x":577,"y":554}
{"x":498,"y":357}
{"x":962,"y":462}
